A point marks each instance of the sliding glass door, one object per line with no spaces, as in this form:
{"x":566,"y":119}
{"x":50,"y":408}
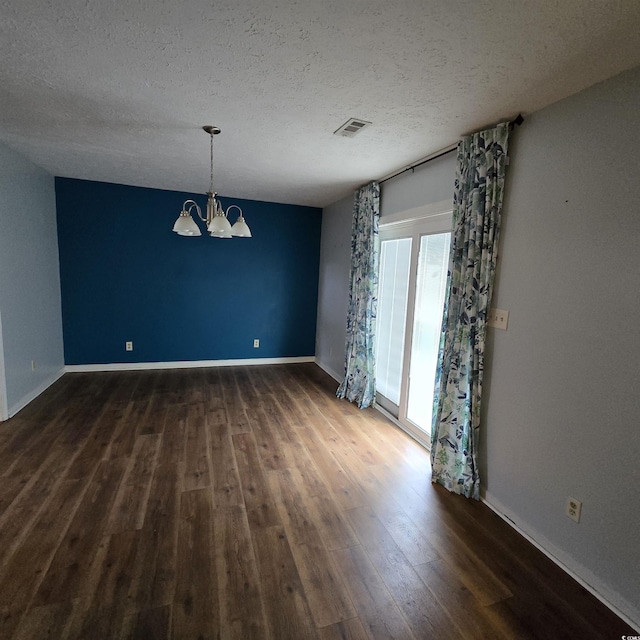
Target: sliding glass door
{"x":413,"y":271}
{"x":427,"y":326}
{"x":393,"y":291}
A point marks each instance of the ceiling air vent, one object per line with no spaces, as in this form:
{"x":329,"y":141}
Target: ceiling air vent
{"x":351,"y":127}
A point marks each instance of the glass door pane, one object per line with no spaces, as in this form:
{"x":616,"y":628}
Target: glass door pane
{"x":393,"y":287}
{"x":427,"y":326}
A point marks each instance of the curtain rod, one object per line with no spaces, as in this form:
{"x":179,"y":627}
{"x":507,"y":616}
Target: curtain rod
{"x":437,"y":154}
{"x":517,"y":121}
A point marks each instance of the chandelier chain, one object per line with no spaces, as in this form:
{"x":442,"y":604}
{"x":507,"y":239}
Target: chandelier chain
{"x":211,"y":136}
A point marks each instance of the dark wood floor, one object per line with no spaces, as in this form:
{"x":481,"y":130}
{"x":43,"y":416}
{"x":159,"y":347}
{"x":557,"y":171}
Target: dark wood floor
{"x":250,"y":503}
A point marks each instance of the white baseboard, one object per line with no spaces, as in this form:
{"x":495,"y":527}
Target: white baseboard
{"x":337,"y":377}
{"x":181,"y":364}
{"x":32,"y":395}
{"x":622,"y":609}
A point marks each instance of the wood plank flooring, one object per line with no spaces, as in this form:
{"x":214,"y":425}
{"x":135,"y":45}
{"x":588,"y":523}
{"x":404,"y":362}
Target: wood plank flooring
{"x":249,"y":503}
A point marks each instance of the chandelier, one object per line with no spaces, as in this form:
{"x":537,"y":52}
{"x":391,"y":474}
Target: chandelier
{"x":217,"y":220}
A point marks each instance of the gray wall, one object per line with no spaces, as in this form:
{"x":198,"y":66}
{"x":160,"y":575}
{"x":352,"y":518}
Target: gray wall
{"x":333,"y":288}
{"x":428,"y":184}
{"x":562,"y":397}
{"x":562,"y":405}
{"x":29,"y":279}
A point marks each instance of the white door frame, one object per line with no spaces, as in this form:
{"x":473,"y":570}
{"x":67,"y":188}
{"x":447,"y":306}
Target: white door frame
{"x":415,"y":223}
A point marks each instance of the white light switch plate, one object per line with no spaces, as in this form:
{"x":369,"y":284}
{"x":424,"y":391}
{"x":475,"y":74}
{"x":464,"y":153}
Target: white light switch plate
{"x":498,"y":318}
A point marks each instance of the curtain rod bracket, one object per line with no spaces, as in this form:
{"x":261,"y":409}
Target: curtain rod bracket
{"x":517,"y":121}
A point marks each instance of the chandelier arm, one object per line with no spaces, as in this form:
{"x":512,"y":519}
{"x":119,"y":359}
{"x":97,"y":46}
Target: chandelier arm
{"x":192,"y":204}
{"x":233,"y":206}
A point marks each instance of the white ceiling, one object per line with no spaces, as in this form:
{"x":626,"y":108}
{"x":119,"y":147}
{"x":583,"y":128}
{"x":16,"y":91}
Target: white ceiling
{"x":117,"y":90}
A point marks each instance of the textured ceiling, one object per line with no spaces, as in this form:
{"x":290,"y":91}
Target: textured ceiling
{"x":117,"y":91}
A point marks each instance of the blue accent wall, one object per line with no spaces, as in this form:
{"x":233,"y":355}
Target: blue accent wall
{"x":126,"y":276}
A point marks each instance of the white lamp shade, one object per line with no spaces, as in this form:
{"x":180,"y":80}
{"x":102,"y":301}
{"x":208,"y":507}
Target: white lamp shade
{"x":221,"y":234}
{"x":219,"y":227}
{"x":241,"y":229}
{"x":185,"y":226}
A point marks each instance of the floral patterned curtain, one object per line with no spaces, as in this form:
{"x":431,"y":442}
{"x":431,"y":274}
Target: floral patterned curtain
{"x":359,"y":380}
{"x":477,"y":206}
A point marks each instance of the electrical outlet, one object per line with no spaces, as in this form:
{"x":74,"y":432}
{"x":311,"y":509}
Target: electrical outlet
{"x":498,"y":318}
{"x":256,"y":343}
{"x":574,"y":507}
{"x":128,"y":346}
